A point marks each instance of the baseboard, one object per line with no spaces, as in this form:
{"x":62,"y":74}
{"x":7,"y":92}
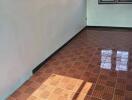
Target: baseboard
{"x":110,"y":27}
{"x":42,"y":63}
{"x":19,"y":83}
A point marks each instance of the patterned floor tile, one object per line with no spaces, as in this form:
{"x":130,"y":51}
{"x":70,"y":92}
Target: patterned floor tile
{"x":100,"y":56}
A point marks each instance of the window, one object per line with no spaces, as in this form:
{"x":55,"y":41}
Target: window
{"x":115,"y":1}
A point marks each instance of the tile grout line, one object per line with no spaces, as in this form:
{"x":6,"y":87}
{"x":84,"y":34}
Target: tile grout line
{"x":115,"y":83}
{"x":98,"y":98}
{"x":115,"y":88}
{"x":95,"y":86}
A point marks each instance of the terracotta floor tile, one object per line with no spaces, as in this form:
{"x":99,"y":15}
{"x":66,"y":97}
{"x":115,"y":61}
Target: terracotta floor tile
{"x":119,"y":92}
{"x":129,"y":87}
{"x":107,"y":96}
{"x":110,"y":83}
{"x":128,"y":95}
{"x":121,"y":86}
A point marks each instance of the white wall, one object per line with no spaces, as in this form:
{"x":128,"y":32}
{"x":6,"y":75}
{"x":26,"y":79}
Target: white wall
{"x":30,"y":31}
{"x":118,"y":15}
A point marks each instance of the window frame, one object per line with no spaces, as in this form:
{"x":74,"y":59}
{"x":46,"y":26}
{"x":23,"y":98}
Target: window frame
{"x":114,"y":2}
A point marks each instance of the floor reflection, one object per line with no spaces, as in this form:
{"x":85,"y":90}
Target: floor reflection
{"x":121,"y":60}
{"x":106,"y":59}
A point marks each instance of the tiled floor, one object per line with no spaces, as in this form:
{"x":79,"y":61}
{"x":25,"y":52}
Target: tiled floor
{"x":100,"y":56}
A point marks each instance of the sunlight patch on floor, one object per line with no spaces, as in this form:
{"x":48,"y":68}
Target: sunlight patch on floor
{"x":58,"y":87}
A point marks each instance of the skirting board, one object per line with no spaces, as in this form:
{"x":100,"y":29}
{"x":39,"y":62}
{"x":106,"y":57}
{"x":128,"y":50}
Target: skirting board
{"x":42,"y":63}
{"x":110,"y":27}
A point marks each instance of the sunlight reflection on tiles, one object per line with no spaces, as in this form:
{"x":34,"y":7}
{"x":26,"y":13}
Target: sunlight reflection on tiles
{"x":106,"y":59}
{"x":122,"y":61}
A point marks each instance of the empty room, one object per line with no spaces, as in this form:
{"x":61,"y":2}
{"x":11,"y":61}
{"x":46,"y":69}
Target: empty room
{"x":65,"y":49}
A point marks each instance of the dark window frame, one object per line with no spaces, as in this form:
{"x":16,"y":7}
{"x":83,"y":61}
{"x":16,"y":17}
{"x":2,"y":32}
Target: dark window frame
{"x":114,"y":2}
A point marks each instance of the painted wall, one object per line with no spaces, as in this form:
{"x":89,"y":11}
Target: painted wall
{"x":119,"y":15}
{"x":30,"y":31}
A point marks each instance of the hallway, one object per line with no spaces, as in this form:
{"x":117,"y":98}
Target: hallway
{"x":101,"y":56}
